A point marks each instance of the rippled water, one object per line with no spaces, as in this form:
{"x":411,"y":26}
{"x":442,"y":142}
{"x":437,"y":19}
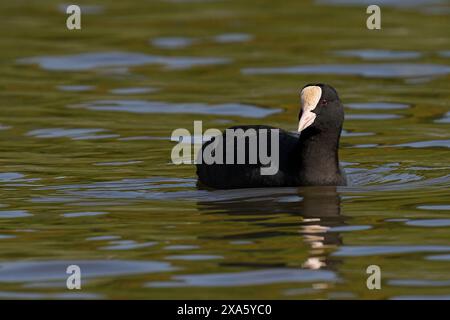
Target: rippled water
{"x":85,"y":174}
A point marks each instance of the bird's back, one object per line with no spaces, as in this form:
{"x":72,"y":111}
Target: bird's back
{"x":248,"y":175}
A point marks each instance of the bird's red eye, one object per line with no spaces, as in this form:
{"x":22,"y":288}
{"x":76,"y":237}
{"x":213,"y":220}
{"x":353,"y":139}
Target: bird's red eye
{"x":323,"y":101}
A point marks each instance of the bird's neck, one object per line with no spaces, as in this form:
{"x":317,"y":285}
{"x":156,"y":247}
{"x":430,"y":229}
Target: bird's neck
{"x":319,"y":157}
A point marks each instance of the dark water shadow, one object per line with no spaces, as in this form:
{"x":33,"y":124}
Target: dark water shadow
{"x":319,"y":210}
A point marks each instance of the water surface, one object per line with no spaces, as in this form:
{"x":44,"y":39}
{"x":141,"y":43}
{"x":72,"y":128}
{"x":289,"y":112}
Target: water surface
{"x":86,"y":178}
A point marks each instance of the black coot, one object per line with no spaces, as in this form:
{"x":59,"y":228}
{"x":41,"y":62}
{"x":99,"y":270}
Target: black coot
{"x":306,"y":157}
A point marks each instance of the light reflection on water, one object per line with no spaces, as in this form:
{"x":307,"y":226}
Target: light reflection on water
{"x":380,"y":54}
{"x":138,"y":106}
{"x":379,"y":70}
{"x":90,"y":61}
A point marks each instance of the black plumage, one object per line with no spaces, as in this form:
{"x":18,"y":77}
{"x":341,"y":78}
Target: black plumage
{"x":309,"y":157}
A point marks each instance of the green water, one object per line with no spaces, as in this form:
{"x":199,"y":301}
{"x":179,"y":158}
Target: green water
{"x":86,"y":176}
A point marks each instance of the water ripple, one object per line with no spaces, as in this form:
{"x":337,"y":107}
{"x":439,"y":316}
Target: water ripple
{"x":373,"y":54}
{"x":246,"y":278}
{"x":127,"y":245}
{"x":194,"y":257}
{"x":429,"y":223}
{"x":363,"y":251}
{"x":32,"y":271}
{"x":232,"y":37}
{"x":382,"y":70}
{"x":426,"y":144}
{"x":82,"y":214}
{"x":15,"y":214}
{"x":173,"y":42}
{"x":74,"y":134}
{"x":377,"y":106}
{"x":141,"y":106}
{"x":88,"y":61}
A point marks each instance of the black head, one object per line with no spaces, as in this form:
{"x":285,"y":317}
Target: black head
{"x":321,"y":109}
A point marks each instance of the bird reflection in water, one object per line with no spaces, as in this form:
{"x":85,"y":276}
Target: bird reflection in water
{"x":318,"y":207}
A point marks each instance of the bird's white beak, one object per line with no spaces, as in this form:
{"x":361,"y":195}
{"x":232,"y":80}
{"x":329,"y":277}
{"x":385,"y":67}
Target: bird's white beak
{"x":306,"y":120}
{"x":310,"y":97}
